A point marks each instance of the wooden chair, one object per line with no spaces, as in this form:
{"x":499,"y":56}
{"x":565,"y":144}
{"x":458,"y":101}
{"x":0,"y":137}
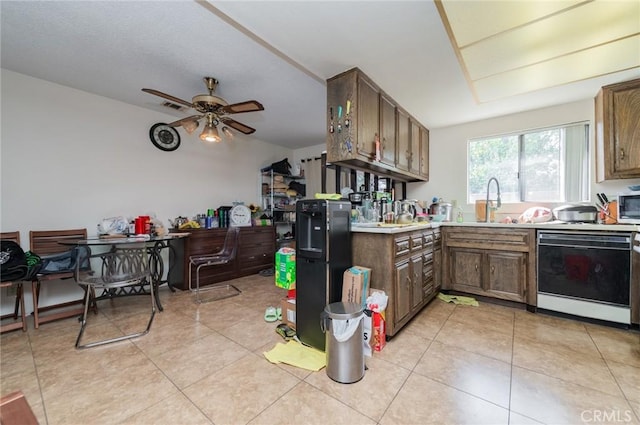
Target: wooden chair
{"x":44,"y":243}
{"x":19,"y":305}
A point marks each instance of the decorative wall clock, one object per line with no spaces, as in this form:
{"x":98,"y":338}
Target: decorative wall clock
{"x":164,"y":137}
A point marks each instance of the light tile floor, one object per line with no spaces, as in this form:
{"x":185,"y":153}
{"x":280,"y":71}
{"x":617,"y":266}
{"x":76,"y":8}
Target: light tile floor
{"x":203,"y":364}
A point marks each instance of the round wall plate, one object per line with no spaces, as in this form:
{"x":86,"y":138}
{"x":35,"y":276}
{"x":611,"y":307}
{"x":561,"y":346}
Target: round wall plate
{"x":164,"y":137}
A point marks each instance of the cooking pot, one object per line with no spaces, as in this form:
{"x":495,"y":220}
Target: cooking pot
{"x":576,"y":213}
{"x":442,"y":209}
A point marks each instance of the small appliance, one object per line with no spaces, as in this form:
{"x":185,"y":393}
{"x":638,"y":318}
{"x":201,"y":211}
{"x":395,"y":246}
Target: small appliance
{"x":629,"y":207}
{"x":576,"y":213}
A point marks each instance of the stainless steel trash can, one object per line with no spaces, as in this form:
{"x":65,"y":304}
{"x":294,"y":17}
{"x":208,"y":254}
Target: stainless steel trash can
{"x":343,"y":328}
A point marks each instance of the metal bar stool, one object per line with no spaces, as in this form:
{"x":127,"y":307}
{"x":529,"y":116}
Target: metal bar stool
{"x":226,"y":255}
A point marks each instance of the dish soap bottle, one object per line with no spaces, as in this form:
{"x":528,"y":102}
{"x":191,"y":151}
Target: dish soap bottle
{"x":460,"y":216}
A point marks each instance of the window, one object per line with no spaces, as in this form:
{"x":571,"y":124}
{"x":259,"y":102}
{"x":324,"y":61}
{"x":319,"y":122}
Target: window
{"x":543,"y":165}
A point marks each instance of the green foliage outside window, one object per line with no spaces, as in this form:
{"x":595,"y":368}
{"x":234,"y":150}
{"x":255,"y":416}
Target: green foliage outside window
{"x":530,"y":166}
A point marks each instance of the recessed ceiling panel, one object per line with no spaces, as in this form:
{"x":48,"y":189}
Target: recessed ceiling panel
{"x":598,"y":61}
{"x":507,"y":48}
{"x":475,"y":20}
{"x":562,"y":34}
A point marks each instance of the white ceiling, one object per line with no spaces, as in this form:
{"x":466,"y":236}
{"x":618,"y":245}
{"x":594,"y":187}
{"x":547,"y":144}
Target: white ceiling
{"x":277,"y":52}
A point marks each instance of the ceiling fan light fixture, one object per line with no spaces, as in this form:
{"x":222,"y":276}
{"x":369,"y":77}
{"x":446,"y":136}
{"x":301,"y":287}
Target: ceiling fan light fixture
{"x":190,"y":126}
{"x":210,"y":134}
{"x":228,"y":133}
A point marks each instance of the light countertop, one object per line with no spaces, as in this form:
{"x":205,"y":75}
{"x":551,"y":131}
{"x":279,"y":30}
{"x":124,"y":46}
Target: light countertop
{"x":400,"y":228}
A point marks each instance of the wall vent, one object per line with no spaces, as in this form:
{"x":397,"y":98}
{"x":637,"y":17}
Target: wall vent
{"x":173,"y":106}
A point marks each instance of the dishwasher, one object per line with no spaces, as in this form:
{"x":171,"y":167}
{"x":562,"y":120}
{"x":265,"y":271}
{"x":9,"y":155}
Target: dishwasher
{"x":586,"y":274}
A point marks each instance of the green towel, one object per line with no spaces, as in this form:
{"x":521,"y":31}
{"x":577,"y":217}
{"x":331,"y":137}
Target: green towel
{"x":458,"y":299}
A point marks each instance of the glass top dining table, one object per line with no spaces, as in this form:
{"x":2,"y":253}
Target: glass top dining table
{"x":154,"y":244}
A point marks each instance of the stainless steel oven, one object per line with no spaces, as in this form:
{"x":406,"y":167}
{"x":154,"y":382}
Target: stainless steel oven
{"x":586,"y":274}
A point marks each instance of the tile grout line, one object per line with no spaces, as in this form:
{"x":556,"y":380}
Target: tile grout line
{"x":411,"y":371}
{"x":513,"y":349}
{"x":606,"y":362}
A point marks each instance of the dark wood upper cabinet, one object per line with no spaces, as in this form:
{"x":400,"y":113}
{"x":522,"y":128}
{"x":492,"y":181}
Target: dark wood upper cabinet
{"x":359,"y":114}
{"x":368,"y":118}
{"x":618,"y":131}
{"x":424,"y":152}
{"x":414,"y":154}
{"x":387,"y":131}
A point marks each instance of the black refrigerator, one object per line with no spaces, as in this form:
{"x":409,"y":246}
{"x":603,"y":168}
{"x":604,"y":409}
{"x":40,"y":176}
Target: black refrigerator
{"x":323,"y":253}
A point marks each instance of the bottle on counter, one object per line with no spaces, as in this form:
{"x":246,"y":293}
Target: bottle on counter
{"x":214,"y":220}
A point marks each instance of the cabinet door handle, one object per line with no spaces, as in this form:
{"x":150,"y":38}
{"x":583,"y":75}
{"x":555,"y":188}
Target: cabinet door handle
{"x":493,"y":269}
{"x":476,"y":267}
{"x":621,"y":153}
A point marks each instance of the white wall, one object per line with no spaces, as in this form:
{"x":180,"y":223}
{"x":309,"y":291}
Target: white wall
{"x":448,"y":155}
{"x":70,"y":158}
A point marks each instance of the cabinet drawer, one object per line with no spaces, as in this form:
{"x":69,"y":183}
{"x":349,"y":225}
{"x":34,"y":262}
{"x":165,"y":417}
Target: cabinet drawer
{"x":490,"y":238}
{"x":256,"y":251}
{"x":257,"y":237}
{"x":428,"y":258}
{"x":258,"y":261}
{"x":428,"y":239}
{"x":205,"y":244}
{"x":428,"y":288}
{"x":402,"y":246}
{"x":417,"y":242}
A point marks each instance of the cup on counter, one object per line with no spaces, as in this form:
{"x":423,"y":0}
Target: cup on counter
{"x":140,"y":225}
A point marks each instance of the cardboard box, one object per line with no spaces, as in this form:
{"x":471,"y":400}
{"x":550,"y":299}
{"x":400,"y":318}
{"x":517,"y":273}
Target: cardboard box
{"x":286,"y":268}
{"x":355,"y":285}
{"x":288,"y":307}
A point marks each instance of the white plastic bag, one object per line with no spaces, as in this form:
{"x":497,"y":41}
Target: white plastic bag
{"x":344,"y":329}
{"x":113,"y":226}
{"x":377,"y":301}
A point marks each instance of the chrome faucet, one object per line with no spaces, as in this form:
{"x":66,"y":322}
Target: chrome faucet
{"x":498,"y":201}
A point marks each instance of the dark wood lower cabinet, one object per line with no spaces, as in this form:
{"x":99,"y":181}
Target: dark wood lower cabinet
{"x":490,"y":261}
{"x":256,"y":252}
{"x":402,"y":265}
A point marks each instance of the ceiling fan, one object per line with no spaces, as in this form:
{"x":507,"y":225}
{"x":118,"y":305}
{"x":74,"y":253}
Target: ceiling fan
{"x":214,"y":110}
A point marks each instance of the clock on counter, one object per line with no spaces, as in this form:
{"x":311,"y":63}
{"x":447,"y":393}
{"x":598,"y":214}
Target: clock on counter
{"x":240,"y":215}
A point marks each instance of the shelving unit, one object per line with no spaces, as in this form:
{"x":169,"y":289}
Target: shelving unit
{"x":279,"y":203}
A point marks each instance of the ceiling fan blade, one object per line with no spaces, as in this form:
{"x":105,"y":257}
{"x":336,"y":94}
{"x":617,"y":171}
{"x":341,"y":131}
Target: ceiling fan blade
{"x":238,"y":126}
{"x":183,"y":120}
{"x":248,"y":106}
{"x":168,"y":97}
